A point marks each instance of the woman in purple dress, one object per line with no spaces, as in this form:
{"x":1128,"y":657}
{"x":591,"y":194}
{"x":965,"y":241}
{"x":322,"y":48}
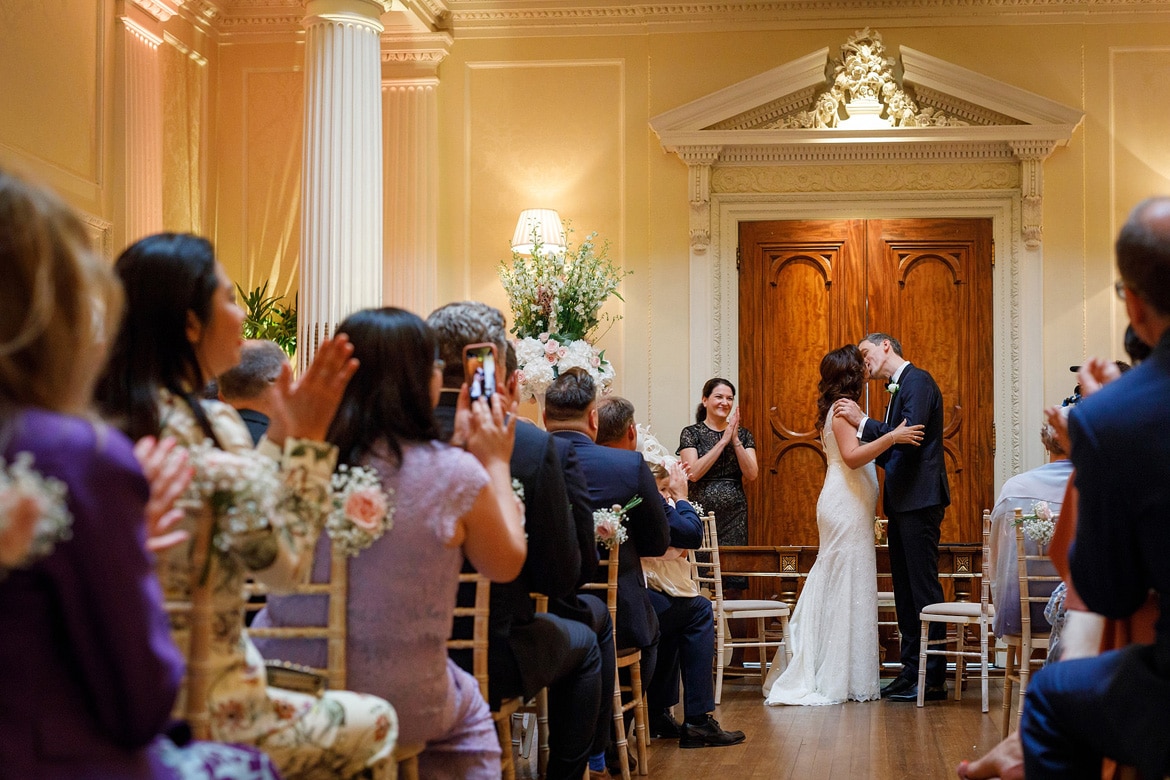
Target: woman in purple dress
{"x":87,"y":666}
{"x":448,"y":504}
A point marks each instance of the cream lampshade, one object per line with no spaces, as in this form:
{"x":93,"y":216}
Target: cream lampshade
{"x":546,"y":225}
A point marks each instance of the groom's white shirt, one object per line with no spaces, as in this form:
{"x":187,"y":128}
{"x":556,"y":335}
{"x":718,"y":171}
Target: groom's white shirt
{"x":893,"y":380}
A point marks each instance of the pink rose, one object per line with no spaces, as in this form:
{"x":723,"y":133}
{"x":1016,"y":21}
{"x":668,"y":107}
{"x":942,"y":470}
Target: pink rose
{"x":550,"y":347}
{"x":366,"y":509}
{"x":604,"y":531}
{"x":543,"y":337}
{"x":595,"y":362}
{"x":562,"y":352}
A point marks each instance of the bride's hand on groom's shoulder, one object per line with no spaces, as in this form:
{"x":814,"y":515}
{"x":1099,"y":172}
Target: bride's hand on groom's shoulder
{"x":843,"y":407}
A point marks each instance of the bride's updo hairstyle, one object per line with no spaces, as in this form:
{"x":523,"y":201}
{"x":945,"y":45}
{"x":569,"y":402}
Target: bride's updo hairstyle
{"x":388,"y":401}
{"x":842,"y":376}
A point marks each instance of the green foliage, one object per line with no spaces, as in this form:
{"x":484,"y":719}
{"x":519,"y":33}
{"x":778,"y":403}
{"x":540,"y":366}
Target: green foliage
{"x":269,"y":318}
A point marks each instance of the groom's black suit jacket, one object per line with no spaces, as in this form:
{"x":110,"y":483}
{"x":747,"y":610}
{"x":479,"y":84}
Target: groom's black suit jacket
{"x":916,"y":477}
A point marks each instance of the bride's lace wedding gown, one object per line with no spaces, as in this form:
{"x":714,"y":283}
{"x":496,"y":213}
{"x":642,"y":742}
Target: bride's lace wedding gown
{"x":834,"y":628}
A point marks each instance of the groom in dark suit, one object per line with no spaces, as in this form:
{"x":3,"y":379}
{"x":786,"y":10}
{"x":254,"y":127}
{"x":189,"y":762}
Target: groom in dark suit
{"x":916,"y":496}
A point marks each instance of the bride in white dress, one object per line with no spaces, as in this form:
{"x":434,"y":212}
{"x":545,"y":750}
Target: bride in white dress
{"x":834,"y":628}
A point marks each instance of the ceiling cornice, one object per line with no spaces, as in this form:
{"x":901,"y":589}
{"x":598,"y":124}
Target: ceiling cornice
{"x":488,"y":18}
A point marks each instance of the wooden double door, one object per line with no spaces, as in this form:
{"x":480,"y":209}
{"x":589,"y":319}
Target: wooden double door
{"x":807,"y":287}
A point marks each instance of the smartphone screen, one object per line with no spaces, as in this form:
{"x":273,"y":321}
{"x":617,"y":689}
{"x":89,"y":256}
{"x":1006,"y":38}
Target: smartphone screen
{"x":479,"y":366}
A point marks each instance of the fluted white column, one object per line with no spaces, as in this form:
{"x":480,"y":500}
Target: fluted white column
{"x":141,"y":116}
{"x":341,"y":196}
{"x":410,"y":133}
{"x":410,"y":116}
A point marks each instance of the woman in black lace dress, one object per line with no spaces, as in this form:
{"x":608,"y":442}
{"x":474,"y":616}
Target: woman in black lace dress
{"x":720,"y":457}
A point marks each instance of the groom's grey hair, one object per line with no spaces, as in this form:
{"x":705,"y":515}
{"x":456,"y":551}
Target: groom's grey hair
{"x":877,"y":338}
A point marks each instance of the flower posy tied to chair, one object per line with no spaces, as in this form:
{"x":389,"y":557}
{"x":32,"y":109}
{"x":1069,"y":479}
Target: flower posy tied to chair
{"x":608,"y":524}
{"x":556,"y":300}
{"x":1039,"y":524}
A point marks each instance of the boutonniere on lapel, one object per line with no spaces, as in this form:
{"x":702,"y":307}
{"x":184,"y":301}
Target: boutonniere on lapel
{"x":892,"y":388}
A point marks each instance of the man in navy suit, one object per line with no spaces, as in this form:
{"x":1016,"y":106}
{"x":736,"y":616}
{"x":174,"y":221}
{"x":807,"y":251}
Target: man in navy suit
{"x":529,"y":651}
{"x":614,"y":477}
{"x":686,"y":647}
{"x":1117,"y":704}
{"x":916,"y":496}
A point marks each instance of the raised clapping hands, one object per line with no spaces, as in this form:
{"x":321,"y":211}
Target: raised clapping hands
{"x":1094,"y":374}
{"x":304,"y":409}
{"x":167,"y":472}
{"x":731,"y":432}
{"x":677,"y":487}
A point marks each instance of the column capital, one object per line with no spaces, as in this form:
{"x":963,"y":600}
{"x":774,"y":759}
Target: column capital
{"x":160,"y":10}
{"x":365,"y":12}
{"x":414,"y":56}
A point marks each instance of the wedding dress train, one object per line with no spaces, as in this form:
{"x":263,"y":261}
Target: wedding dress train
{"x":834,"y":627}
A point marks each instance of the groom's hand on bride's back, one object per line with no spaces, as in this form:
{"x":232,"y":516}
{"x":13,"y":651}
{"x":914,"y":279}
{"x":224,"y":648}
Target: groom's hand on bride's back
{"x":843,"y":407}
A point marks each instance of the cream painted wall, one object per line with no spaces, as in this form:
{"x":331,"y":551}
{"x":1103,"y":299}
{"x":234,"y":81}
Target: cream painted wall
{"x":257,"y":156}
{"x":498,"y":142}
{"x":55,"y":78}
{"x":563,"y":122}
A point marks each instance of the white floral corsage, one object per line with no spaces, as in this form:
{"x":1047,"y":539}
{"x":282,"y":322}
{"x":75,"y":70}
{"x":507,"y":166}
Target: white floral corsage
{"x":892,"y":388}
{"x":1040,"y":524}
{"x":362,"y":509}
{"x":608,"y":527}
{"x":242,"y":489}
{"x":20,"y":484}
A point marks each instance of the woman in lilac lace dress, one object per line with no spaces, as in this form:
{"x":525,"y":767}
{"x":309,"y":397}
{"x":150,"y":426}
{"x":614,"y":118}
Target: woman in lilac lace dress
{"x":447,"y":503}
{"x":87,"y":666}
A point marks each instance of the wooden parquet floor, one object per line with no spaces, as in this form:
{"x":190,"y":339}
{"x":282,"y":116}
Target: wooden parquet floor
{"x":858,"y":741}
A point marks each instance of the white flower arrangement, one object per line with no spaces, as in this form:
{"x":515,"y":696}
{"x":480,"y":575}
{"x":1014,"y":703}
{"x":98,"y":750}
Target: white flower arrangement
{"x":362,"y":509}
{"x":243,"y":490}
{"x":21,"y":486}
{"x":542,"y":359}
{"x":653,"y":451}
{"x":608,"y":524}
{"x":556,"y":300}
{"x":1040,"y":524}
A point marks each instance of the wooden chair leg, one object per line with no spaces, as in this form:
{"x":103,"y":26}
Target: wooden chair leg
{"x":621,"y":746}
{"x":983,"y":665}
{"x":1009,"y":661}
{"x":762,"y":650}
{"x":542,"y":732}
{"x":641,"y":732}
{"x":923,"y":646}
{"x":960,"y":661}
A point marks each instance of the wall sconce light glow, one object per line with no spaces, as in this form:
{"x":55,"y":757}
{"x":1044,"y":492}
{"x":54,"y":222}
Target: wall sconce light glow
{"x":546,"y":225}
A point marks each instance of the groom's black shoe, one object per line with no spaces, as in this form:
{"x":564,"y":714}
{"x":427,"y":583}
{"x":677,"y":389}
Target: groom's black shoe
{"x":664,"y":726}
{"x":899,"y":685}
{"x":932,"y":693}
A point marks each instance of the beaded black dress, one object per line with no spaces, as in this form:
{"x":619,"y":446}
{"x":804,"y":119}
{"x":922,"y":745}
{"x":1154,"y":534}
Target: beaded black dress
{"x":720,"y":490}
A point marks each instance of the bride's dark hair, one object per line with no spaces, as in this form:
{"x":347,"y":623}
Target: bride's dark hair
{"x":842,"y":376}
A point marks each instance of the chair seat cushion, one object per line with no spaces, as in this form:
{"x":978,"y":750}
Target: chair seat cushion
{"x":755,"y":605}
{"x":969,"y":609}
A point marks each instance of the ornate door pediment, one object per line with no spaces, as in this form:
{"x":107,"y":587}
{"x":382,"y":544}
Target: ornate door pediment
{"x":866,"y":107}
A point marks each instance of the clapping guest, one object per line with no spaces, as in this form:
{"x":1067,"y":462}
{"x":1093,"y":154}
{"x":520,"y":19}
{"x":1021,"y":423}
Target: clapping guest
{"x":183,"y":326}
{"x":447,"y":504}
{"x":529,"y":651}
{"x":1116,"y":705}
{"x":90,"y":671}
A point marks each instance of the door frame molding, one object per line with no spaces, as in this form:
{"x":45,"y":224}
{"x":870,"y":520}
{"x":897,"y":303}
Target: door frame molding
{"x":1016,"y":278}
